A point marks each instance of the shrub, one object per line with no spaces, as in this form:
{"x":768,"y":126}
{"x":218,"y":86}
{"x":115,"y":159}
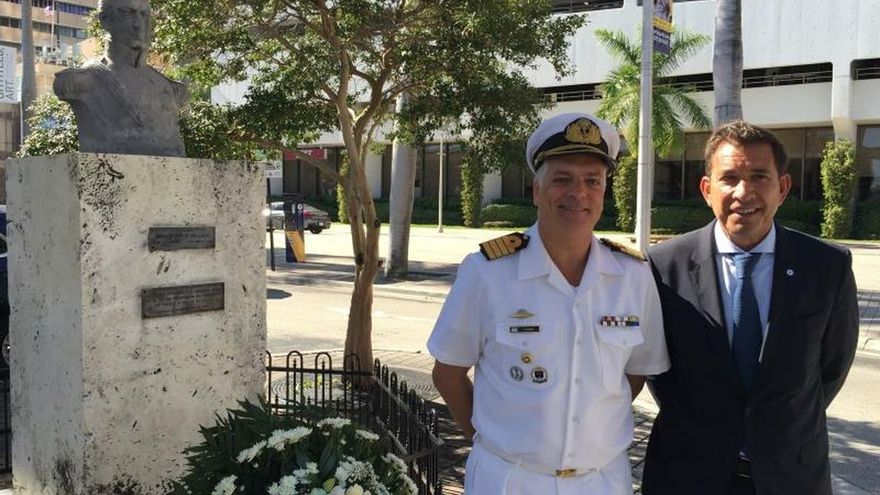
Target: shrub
{"x":679,"y":218}
{"x":838,"y":169}
{"x":512,"y":215}
{"x":471,"y":191}
{"x":624,"y":189}
{"x":867,"y":220}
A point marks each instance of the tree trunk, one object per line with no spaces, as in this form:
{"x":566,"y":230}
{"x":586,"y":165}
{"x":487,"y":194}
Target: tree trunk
{"x":403,"y":181}
{"x":28,"y":71}
{"x":727,"y":61}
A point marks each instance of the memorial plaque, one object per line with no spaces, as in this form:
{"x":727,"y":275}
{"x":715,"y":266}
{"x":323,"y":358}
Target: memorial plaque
{"x":182,"y":300}
{"x":176,"y":238}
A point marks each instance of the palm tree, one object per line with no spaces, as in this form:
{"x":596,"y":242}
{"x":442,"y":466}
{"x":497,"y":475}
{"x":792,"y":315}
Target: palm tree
{"x":673,"y":106}
{"x":727,"y":61}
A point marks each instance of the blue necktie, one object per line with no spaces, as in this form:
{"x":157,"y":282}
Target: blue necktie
{"x":747,"y":335}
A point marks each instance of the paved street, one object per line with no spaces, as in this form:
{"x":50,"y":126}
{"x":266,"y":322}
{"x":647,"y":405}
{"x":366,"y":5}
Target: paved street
{"x":308,"y":304}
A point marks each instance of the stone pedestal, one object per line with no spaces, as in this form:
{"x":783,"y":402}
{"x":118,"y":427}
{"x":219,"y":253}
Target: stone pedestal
{"x":104,"y":399}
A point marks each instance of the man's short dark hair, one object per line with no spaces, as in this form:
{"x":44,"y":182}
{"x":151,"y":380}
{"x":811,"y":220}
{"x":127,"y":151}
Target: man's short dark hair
{"x":740,"y":132}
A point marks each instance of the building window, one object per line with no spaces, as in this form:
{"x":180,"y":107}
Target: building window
{"x":868,"y":161}
{"x":571,"y":6}
{"x":866,"y":69}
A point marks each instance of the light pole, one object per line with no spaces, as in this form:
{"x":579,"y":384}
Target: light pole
{"x":645,"y":181}
{"x":440,"y":189}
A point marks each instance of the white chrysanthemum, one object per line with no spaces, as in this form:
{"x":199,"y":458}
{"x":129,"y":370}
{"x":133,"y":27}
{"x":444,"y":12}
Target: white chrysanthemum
{"x":354,"y":490}
{"x":366,"y":435}
{"x":280,"y":438}
{"x":226,"y":486}
{"x":396,"y":462}
{"x":408,"y":485}
{"x":284,"y":486}
{"x":333,"y":422}
{"x":318,"y":491}
{"x":338,"y":490}
{"x":247,"y":455}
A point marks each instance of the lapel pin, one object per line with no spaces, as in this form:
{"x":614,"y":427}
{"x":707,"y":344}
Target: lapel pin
{"x":789,"y":272}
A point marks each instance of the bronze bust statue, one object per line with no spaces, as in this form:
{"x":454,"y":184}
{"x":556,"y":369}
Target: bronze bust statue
{"x":121,"y":104}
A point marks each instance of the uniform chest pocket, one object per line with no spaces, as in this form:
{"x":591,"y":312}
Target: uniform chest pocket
{"x":615,"y":347}
{"x":524,"y":357}
{"x":522,"y":336}
{"x":619,"y":337}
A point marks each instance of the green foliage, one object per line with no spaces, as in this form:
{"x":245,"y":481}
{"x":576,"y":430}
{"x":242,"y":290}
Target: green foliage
{"x":53,"y":128}
{"x":624,"y":187}
{"x":677,"y":217}
{"x":461,"y":57}
{"x":867,"y":222}
{"x":673,"y":106}
{"x":209,"y":131}
{"x":509,"y":215}
{"x":838,"y":169}
{"x":471,"y":190}
{"x":259,"y":449}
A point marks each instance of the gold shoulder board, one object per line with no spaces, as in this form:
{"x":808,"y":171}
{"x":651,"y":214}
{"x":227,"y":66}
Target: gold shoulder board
{"x":504,"y":245}
{"x":620,"y":248}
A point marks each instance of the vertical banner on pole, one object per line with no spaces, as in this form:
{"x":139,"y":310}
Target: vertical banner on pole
{"x":662,"y":26}
{"x":7,"y":75}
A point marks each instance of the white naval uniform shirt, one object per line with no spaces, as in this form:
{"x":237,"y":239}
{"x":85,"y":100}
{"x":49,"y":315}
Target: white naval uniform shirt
{"x":581,"y":416}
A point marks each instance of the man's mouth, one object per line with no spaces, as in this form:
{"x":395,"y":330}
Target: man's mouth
{"x":744,"y":212}
{"x":572,"y":208}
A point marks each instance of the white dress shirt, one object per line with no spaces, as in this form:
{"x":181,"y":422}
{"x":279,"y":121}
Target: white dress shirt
{"x":762,"y":276}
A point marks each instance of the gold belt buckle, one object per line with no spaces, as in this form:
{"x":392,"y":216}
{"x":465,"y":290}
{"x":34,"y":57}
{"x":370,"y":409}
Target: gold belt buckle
{"x":566,"y":473}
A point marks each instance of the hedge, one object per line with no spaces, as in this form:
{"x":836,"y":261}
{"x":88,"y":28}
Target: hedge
{"x":867,"y":220}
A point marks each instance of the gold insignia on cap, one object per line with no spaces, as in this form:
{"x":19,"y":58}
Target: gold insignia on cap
{"x":620,"y":248}
{"x":583,"y":131}
{"x":504,"y":245}
{"x":522,"y":314}
{"x":526,"y":358}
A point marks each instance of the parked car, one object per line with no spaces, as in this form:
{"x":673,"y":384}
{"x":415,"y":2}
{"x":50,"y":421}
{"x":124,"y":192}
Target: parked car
{"x":314,"y":220}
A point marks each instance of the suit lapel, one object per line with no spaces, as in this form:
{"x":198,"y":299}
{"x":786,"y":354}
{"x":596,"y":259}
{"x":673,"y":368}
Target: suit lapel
{"x":783,"y":299}
{"x":704,"y":275}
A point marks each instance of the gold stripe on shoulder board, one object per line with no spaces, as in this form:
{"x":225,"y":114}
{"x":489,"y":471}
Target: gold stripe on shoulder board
{"x":504,"y":245}
{"x":623,"y":249}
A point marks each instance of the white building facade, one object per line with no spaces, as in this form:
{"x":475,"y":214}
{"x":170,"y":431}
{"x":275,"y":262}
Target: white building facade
{"x":812,"y":74}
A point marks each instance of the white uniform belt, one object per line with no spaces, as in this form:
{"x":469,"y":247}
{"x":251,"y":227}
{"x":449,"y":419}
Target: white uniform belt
{"x":532,"y":467}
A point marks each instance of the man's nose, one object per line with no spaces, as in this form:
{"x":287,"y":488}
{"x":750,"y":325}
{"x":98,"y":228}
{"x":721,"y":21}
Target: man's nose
{"x":742,"y":190}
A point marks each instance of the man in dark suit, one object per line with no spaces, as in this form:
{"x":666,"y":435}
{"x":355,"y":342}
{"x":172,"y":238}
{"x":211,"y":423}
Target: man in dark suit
{"x":761,"y":324}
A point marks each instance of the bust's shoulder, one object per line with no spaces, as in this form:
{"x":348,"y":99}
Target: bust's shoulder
{"x":76,"y":80}
{"x":178,"y":88}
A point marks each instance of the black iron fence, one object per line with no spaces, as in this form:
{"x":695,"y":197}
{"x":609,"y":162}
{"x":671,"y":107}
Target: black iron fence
{"x":377,"y":400}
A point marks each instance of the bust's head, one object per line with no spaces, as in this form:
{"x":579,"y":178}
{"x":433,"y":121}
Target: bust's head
{"x":128,"y":22}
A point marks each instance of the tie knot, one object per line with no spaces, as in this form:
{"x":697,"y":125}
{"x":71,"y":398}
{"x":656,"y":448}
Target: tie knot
{"x":744,"y":263}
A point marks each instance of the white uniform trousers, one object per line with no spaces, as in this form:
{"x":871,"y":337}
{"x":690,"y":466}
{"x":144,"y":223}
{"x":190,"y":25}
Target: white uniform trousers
{"x":488,"y":474}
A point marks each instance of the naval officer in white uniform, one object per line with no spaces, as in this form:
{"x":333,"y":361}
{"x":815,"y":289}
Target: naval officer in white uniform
{"x":561,"y":328}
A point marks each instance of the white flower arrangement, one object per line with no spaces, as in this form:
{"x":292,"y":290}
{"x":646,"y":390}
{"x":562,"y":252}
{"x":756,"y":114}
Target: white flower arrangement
{"x":254,"y":452}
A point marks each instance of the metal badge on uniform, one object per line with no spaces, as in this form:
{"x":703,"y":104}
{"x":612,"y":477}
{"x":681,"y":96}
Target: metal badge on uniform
{"x":525,"y":329}
{"x":619,"y":321}
{"x":521,"y":314}
{"x":539,"y":375}
{"x":516,"y":373}
{"x":526,"y":358}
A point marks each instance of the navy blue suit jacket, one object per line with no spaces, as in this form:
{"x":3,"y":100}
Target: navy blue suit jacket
{"x":705,"y":415}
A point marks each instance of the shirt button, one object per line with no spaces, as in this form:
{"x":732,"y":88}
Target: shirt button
{"x":577,"y":381}
{"x":579,"y":341}
{"x":574,"y":419}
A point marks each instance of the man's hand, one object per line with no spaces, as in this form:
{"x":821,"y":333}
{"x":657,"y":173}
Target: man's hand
{"x":636,"y":382}
{"x":457,"y":390}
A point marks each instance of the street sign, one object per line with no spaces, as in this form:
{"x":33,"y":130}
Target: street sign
{"x":7,"y":75}
{"x":273,"y":169}
{"x":662,"y":26}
